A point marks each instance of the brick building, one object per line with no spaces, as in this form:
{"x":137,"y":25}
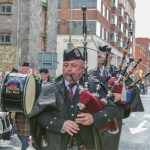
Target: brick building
{"x":142,"y":50}
{"x":109,"y":22}
{"x":28,"y":33}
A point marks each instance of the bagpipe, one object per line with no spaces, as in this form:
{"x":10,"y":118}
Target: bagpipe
{"x":90,"y":103}
{"x":132,"y":70}
{"x":115,"y":83}
{"x":118,"y":86}
{"x":118,"y":83}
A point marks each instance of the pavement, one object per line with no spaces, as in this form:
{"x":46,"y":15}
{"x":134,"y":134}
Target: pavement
{"x":13,"y":144}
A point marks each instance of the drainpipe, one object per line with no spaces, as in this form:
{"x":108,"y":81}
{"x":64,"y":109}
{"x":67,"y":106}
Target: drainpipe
{"x":17,"y":42}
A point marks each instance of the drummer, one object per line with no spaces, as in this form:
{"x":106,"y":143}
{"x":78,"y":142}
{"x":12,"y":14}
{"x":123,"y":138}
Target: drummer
{"x":21,"y":120}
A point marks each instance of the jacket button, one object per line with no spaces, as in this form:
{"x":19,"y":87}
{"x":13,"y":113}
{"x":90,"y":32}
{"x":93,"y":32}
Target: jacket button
{"x":105,"y":115}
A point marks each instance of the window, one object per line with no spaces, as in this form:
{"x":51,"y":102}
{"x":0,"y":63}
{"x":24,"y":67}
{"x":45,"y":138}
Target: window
{"x":47,"y":60}
{"x":77,"y":27}
{"x":126,"y":33}
{"x":5,"y":9}
{"x":103,"y":33}
{"x":114,"y":19}
{"x":126,"y":19}
{"x":115,"y":3}
{"x":107,"y":36}
{"x":108,"y":14}
{"x":104,"y":10}
{"x":113,"y":37}
{"x":130,"y":24}
{"x":131,"y":51}
{"x":58,"y":27}
{"x":4,"y":38}
{"x":120,"y":27}
{"x":77,"y":4}
{"x":121,"y":11}
{"x":120,"y":42}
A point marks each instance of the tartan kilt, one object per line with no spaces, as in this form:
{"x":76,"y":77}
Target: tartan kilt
{"x":22,"y":124}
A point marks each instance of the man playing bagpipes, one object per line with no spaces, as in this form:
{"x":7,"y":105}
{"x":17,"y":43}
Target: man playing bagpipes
{"x":109,"y":141}
{"x":124,"y":108}
{"x":57,"y":118}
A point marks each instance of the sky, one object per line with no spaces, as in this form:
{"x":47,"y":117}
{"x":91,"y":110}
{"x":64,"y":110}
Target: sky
{"x":142,"y":17}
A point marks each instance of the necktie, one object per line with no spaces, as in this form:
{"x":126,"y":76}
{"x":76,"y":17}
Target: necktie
{"x":70,"y":92}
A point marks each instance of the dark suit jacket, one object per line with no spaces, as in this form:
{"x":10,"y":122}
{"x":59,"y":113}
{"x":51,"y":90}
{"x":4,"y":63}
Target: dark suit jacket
{"x":49,"y":113}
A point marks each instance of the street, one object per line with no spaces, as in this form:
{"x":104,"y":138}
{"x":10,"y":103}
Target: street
{"x":136,"y":129}
{"x":135,"y":132}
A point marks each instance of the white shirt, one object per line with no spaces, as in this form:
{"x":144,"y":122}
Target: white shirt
{"x":73,"y":89}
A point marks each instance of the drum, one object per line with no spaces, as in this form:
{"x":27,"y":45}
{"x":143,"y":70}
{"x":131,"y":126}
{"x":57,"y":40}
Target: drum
{"x":5,"y":126}
{"x":18,"y":92}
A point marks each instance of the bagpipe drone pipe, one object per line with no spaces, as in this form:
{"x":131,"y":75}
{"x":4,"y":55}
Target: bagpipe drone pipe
{"x":133,"y":102}
{"x":122,"y":85}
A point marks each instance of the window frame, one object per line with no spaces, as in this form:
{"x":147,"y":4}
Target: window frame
{"x":5,"y":35}
{"x":93,"y":32}
{"x":5,"y":7}
{"x":85,"y":2}
{"x":114,"y":19}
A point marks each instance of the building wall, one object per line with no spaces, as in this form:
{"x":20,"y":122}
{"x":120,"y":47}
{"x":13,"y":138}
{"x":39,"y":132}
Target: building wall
{"x":8,"y":25}
{"x":142,"y":67}
{"x":63,"y":41}
{"x":104,"y":24}
{"x":7,"y":57}
{"x":25,"y":25}
{"x":142,"y":50}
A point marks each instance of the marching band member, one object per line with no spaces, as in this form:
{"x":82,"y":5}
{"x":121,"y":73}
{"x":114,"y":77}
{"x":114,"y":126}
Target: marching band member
{"x":100,"y":69}
{"x":53,"y":117}
{"x":109,"y":141}
{"x":124,"y":108}
{"x":21,"y":120}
